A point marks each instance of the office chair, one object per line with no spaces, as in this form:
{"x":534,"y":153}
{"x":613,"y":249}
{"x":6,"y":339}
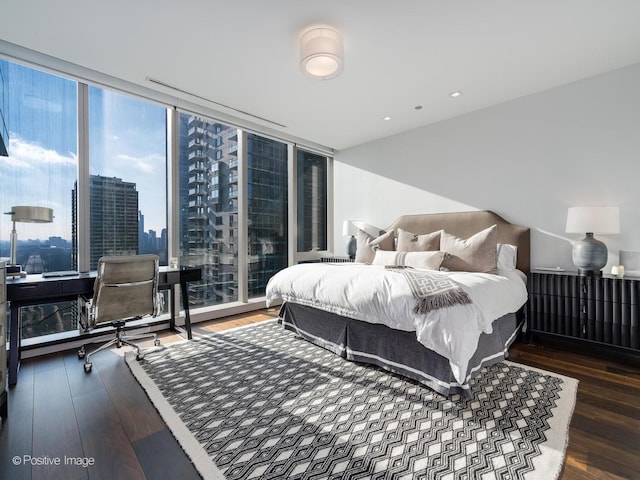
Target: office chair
{"x":125,"y":289}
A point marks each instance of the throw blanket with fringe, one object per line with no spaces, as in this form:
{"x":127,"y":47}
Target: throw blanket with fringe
{"x":432,"y":291}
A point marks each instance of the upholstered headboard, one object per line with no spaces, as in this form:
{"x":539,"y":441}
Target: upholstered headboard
{"x":465,"y":224}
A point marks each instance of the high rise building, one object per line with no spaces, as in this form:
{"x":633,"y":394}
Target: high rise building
{"x":267,"y":210}
{"x":312,"y":201}
{"x":143,"y":246}
{"x":113,"y":218}
{"x":207,"y":205}
{"x":209,"y":214}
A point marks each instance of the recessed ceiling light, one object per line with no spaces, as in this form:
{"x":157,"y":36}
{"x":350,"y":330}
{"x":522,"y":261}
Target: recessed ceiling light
{"x":418,"y":107}
{"x":455,"y":94}
{"x":387,"y":118}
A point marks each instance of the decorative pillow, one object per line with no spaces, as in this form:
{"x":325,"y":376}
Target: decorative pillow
{"x":367,"y":245}
{"x":410,"y":242}
{"x":475,"y":254}
{"x":507,"y":256}
{"x":425,"y":260}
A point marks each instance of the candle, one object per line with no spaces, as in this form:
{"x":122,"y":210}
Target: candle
{"x":617,"y":270}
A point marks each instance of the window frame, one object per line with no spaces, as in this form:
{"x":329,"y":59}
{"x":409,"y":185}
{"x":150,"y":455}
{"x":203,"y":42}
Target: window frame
{"x":86,"y":77}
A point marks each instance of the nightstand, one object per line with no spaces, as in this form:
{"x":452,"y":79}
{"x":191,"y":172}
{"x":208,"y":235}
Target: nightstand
{"x":598,"y":312}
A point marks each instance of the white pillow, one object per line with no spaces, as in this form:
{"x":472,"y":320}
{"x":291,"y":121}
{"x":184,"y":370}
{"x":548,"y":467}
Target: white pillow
{"x":367,"y":245}
{"x":423,"y":260}
{"x":507,"y":256}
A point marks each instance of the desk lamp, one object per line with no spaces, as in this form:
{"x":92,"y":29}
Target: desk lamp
{"x":25,"y":215}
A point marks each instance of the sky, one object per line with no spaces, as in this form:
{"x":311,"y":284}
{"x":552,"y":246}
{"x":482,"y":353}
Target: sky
{"x":127,"y":140}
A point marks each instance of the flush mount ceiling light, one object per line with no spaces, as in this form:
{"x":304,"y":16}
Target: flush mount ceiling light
{"x":321,"y":53}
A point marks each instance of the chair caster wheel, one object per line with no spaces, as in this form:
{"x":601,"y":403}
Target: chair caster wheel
{"x":81,"y":354}
{"x":156,"y":342}
{"x":87,"y":367}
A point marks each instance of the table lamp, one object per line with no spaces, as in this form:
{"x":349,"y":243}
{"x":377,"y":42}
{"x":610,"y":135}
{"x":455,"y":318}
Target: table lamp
{"x":349,"y":229}
{"x":589,"y":254}
{"x":24,"y":214}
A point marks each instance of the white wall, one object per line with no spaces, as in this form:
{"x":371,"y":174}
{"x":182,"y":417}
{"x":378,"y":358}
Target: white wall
{"x":527,"y":160}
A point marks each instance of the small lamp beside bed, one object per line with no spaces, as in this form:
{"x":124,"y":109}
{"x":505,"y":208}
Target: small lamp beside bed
{"x":589,"y":254}
{"x":350,"y":229}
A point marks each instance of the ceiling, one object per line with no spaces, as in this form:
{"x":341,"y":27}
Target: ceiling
{"x":398,"y":55}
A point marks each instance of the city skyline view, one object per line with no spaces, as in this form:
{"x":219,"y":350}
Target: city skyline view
{"x":127,"y":140}
{"x":121,"y":195}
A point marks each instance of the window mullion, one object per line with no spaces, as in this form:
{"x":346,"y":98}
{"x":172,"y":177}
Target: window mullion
{"x":82,"y":203}
{"x":330,"y":224}
{"x":243,"y":215}
{"x":292,"y":166}
{"x":173,"y":195}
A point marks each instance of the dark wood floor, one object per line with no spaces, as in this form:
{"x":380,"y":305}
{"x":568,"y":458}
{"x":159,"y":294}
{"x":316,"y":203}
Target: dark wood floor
{"x":604,"y":436}
{"x":57,"y":411}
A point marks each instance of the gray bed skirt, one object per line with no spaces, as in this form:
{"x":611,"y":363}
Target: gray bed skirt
{"x":395,"y":350}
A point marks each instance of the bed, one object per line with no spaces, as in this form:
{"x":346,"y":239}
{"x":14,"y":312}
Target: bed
{"x":411,"y":307}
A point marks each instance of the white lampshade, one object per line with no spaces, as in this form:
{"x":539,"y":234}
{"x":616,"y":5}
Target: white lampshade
{"x":604,"y":220}
{"x":349,"y":228}
{"x":25,"y":214}
{"x":321,"y":53}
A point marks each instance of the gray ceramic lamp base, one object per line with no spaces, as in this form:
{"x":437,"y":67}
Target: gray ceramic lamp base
{"x":352,"y":244}
{"x":589,"y":255}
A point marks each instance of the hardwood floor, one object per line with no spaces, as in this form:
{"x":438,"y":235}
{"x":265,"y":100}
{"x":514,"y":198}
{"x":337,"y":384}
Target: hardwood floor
{"x":604,"y":436}
{"x":56,"y":411}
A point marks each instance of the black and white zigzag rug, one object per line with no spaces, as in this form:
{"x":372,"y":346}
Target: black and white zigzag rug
{"x":261,"y":403}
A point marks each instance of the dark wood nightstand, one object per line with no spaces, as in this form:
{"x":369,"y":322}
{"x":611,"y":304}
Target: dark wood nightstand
{"x":596,"y":312}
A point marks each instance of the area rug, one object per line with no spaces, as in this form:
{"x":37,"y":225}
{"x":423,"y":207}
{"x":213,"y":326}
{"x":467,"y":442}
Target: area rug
{"x":259,"y":402}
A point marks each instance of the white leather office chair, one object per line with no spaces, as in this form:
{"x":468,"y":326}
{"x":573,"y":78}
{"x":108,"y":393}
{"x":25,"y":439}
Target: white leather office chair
{"x":125,"y":289}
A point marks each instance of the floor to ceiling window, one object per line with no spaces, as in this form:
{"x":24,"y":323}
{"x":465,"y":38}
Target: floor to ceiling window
{"x":128,"y":176}
{"x":208,"y":192}
{"x":267,"y":201}
{"x":99,"y":158}
{"x":312,"y":201}
{"x":40,"y":135}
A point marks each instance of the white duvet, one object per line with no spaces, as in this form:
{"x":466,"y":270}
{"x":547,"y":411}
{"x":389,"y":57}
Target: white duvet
{"x":376,"y":295}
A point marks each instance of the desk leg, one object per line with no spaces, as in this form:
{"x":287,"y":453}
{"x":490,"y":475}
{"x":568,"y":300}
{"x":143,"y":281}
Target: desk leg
{"x":14,"y":345}
{"x":4,"y":404}
{"x":185,"y":304}
{"x":172,"y":309}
